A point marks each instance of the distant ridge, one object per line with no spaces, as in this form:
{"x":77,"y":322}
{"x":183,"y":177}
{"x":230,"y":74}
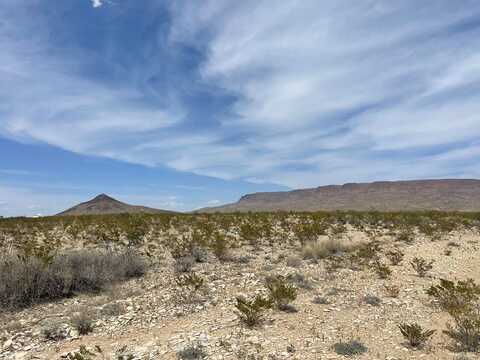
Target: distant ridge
{"x":441,"y":195}
{"x":104,"y":204}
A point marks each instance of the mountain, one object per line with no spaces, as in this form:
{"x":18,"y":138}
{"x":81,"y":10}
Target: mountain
{"x":104,"y":204}
{"x":443,"y":195}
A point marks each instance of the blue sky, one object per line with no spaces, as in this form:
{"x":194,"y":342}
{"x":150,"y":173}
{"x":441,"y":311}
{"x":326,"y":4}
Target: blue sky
{"x":183,"y":104}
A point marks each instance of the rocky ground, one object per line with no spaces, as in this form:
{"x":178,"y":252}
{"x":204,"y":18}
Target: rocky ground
{"x":153,"y":318}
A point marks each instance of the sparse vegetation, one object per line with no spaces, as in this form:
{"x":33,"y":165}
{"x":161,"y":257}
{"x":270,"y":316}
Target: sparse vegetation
{"x":251,"y":312}
{"x":193,"y":351}
{"x":199,"y":261}
{"x":350,"y":348}
{"x":421,"y":266}
{"x":382,"y":270}
{"x":415,"y":334}
{"x":372,"y":300}
{"x":281,"y":292}
{"x":395,"y":257}
{"x":26,"y":280}
{"x":83,"y":322}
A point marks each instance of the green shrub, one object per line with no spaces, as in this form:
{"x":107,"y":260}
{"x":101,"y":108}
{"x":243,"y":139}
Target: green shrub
{"x":192,"y":281}
{"x":415,"y":334}
{"x":251,"y":312}
{"x":395,"y":256}
{"x":456,"y":298}
{"x":392,"y":290}
{"x":465,"y":331}
{"x":281,"y":292}
{"x":421,"y":266}
{"x":382,"y":270}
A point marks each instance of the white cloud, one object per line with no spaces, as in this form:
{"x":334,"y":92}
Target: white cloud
{"x":97,"y":3}
{"x":326,"y":92}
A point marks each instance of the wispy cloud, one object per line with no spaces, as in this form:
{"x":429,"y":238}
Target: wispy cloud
{"x":311,"y":92}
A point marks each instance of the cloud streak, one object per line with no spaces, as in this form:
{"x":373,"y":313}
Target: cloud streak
{"x":305,"y":93}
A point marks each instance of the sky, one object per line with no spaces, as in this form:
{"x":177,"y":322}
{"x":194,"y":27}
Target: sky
{"x":185,"y":104}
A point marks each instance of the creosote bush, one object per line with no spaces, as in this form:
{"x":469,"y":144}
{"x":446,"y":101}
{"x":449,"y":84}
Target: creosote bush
{"x":456,"y":298}
{"x":395,"y":257}
{"x":465,"y":331}
{"x":415,"y":334}
{"x":281,"y":292}
{"x":462,"y":301}
{"x":25,"y":281}
{"x":251,"y":312}
{"x":382,"y":270}
{"x":392,"y":290}
{"x":421,"y":266}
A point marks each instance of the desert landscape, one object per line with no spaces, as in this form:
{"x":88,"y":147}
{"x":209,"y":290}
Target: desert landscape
{"x":239,"y":180}
{"x":278,"y":285}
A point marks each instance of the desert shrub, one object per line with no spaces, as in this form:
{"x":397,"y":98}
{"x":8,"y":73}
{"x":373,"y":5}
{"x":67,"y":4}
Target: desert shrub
{"x":294,"y":261}
{"x":133,"y":264}
{"x":406,"y":237}
{"x":112,"y":309}
{"x":309,"y":232}
{"x":456,"y":298}
{"x":350,"y":348}
{"x":184,"y":264}
{"x":320,"y":300}
{"x":83,"y":322}
{"x":192,"y":281}
{"x":300,"y":281}
{"x":372,"y":300}
{"x":395,"y":256}
{"x":366,"y":253}
{"x":326,"y":247}
{"x":54,"y":329}
{"x":461,"y":301}
{"x":421,"y":266}
{"x":199,"y":254}
{"x":27,"y":281}
{"x":281,"y":292}
{"x":415,"y":334}
{"x":251,"y":312}
{"x":392,"y":290}
{"x":219,"y":246}
{"x":193,"y":351}
{"x":465,"y":331}
{"x":382,"y":270}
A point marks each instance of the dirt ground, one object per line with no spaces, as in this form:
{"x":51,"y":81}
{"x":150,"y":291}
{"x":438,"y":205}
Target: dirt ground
{"x":151,"y":318}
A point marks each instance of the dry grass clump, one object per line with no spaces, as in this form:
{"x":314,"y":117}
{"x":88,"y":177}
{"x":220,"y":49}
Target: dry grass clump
{"x":326,"y":247}
{"x":28,"y":280}
{"x":83,"y":322}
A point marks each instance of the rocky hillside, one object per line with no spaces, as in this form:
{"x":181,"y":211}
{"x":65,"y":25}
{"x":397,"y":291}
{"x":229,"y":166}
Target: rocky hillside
{"x":444,"y":195}
{"x":104,"y":204}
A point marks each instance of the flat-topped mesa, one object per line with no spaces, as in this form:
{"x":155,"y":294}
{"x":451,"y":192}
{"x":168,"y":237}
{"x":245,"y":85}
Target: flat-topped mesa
{"x":409,"y":195}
